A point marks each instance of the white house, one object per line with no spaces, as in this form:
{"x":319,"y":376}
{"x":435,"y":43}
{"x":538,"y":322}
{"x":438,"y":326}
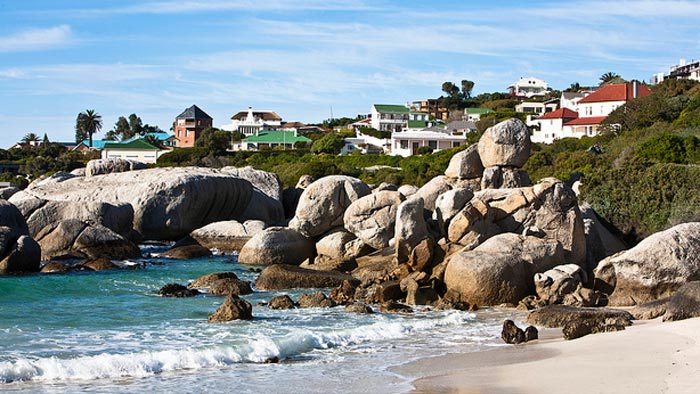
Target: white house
{"x":407,"y":143}
{"x":474,"y":114}
{"x":137,"y":149}
{"x":551,"y":125}
{"x":250,"y":122}
{"x":528,"y":87}
{"x":683,"y":70}
{"x":537,"y":108}
{"x":387,"y":117}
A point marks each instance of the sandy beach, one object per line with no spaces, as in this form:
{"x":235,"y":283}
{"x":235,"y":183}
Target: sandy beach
{"x":648,"y":357}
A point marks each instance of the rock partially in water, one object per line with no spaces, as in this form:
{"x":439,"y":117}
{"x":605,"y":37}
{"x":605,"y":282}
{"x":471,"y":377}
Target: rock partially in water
{"x":276,"y":245}
{"x":358,"y":308}
{"x":177,"y":290}
{"x":81,"y":239}
{"x":511,"y":333}
{"x":206,"y":280}
{"x":227,"y":236}
{"x":281,"y":302}
{"x":315,"y":300}
{"x":394,"y":307}
{"x":226,"y":286}
{"x":187,"y":252}
{"x":233,"y":308}
{"x":283,"y":276}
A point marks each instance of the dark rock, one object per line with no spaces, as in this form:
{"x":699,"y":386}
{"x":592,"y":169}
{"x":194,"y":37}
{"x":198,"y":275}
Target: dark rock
{"x":25,"y":256}
{"x":650,"y":310}
{"x":685,"y":303}
{"x":272,"y":360}
{"x":283,"y":276}
{"x":206,"y":280}
{"x":177,"y":290}
{"x":578,"y":328}
{"x":531,"y":333}
{"x":53,"y":267}
{"x":187,"y":252}
{"x":344,"y":293}
{"x":394,"y":307}
{"x":358,"y":308}
{"x":316,"y":300}
{"x":98,"y":265}
{"x":420,"y":295}
{"x":558,"y":315}
{"x":389,"y":291}
{"x":511,"y":333}
{"x":226,"y":286}
{"x":233,"y":308}
{"x":281,"y":302}
{"x":531,"y":302}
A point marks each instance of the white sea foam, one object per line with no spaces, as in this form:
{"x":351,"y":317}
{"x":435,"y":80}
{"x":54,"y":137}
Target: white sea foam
{"x":255,"y":350}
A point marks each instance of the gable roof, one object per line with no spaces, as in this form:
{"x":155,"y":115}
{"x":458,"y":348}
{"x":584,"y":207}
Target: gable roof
{"x":617,"y":92}
{"x":391,"y":108}
{"x":262,"y":114}
{"x":561,"y":113}
{"x":137,"y":144}
{"x":96,"y":144}
{"x":193,"y":112}
{"x":276,"y":137}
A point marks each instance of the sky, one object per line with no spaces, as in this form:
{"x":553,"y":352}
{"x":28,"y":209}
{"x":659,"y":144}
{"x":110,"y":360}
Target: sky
{"x":306,"y":59}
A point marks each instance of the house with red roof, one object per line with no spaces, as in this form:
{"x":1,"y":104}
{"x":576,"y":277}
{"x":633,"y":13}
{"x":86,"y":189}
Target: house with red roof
{"x":590,"y":112}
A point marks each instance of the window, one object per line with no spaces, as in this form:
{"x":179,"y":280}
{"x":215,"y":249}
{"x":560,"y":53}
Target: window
{"x":432,"y":144}
{"x":456,"y":144}
{"x":403,"y":144}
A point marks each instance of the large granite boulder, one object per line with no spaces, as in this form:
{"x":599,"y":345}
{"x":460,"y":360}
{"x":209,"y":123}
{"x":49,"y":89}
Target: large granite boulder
{"x":340,"y":245}
{"x":207,"y":280}
{"x":110,"y":165}
{"x":501,"y":270}
{"x":431,"y":190}
{"x":685,"y":303}
{"x":372,"y":217}
{"x":322,"y":205}
{"x":554,"y":316}
{"x":655,"y":268}
{"x":449,"y":204}
{"x":283,"y":276}
{"x":18,"y":252}
{"x":73,"y":237}
{"x":408,"y":190}
{"x":497,"y":177}
{"x":276,"y":245}
{"x":600,"y":242}
{"x":7,"y":192}
{"x":554,"y":284}
{"x":410,"y":229}
{"x":465,"y":164}
{"x":167,"y":203}
{"x":506,"y":144}
{"x":227,"y":236}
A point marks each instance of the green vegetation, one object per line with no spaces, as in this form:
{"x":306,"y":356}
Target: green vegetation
{"x":215,"y":141}
{"x":375,"y":133}
{"x":34,"y":161}
{"x":86,"y":124}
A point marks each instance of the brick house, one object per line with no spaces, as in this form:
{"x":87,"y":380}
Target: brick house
{"x":189,"y":125}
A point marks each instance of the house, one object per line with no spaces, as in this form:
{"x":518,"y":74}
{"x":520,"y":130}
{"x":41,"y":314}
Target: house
{"x":270,"y":139}
{"x":474,"y":114}
{"x":84,"y":145}
{"x":537,"y":108}
{"x":407,"y":143}
{"x":250,"y":121}
{"x":528,"y":87}
{"x":189,"y":125}
{"x":460,"y":126}
{"x":590,"y":111}
{"x":570,"y":99}
{"x":683,"y":70}
{"x":388,"y":117}
{"x":432,"y":107}
{"x":164,"y":138}
{"x":136,"y":149}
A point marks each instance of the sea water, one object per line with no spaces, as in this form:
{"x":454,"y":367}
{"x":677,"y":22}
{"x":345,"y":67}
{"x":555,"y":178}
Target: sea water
{"x":109,"y":332}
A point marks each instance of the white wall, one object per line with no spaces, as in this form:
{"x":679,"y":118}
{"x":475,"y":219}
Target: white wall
{"x":143,"y":156}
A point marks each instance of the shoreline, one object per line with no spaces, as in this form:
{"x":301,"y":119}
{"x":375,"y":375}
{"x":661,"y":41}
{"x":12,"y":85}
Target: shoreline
{"x":648,"y":357}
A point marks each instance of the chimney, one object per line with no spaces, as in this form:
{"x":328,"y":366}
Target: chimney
{"x":635,"y":89}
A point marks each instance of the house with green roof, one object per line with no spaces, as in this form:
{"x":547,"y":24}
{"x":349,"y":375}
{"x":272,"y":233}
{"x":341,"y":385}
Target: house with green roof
{"x":137,"y":149}
{"x":474,"y":114}
{"x":270,"y":139}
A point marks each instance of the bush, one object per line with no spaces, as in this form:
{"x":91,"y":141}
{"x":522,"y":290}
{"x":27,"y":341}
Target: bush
{"x":182,"y":156}
{"x":424,"y":150}
{"x":375,"y":133}
{"x":331,"y":143}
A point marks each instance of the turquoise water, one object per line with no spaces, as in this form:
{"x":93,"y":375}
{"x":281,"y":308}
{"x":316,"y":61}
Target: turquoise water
{"x":110,"y":332}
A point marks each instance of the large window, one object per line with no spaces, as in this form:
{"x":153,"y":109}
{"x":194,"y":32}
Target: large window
{"x":432,"y":144}
{"x":403,"y":144}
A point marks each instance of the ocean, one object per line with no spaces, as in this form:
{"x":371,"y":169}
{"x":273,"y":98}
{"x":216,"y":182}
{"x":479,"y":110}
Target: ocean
{"x":109,"y":332}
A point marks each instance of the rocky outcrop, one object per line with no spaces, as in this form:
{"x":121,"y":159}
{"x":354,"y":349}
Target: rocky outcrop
{"x":281,"y":302}
{"x":372,"y":218}
{"x":466,"y":164}
{"x":512,"y":334}
{"x":315,"y":300}
{"x":431,"y":190}
{"x":506,"y":144}
{"x":233,"y":308}
{"x":501,"y":269}
{"x":410,"y":228}
{"x":655,"y":268}
{"x":649,"y":310}
{"x":167,"y":203}
{"x":7,"y":192}
{"x":555,"y":284}
{"x":283,"y":276}
{"x":600,"y":242}
{"x":408,"y":190}
{"x":276,"y":245}
{"x":449,"y":204}
{"x":111,"y":165}
{"x":80,"y":239}
{"x":685,"y":303}
{"x":322,"y":205}
{"x":554,"y":316}
{"x":227,"y":236}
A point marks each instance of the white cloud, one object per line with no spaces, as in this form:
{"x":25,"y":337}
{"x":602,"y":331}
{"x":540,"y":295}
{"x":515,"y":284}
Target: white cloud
{"x":37,"y":39}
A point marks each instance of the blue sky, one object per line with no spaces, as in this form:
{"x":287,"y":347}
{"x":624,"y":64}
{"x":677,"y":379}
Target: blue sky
{"x":302,"y":57}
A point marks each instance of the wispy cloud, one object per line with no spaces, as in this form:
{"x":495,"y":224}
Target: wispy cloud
{"x":37,"y":39}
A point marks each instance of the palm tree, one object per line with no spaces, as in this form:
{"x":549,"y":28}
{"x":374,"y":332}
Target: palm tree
{"x":609,"y":77}
{"x":31,"y":139}
{"x":89,"y":122}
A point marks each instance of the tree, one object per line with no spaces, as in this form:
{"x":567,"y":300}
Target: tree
{"x":609,"y":77}
{"x":121,"y":129}
{"x":31,"y":139}
{"x":467,"y":87}
{"x":88,"y":123}
{"x":214,"y":140}
{"x":153,"y":141}
{"x":80,"y":133}
{"x":46,"y":142}
{"x":457,"y":99}
{"x":330,"y":143}
{"x":135,"y":125}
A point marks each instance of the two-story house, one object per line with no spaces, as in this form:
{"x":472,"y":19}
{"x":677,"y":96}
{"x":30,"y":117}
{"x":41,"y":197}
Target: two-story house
{"x":189,"y":125}
{"x":528,"y":87}
{"x":250,"y":122}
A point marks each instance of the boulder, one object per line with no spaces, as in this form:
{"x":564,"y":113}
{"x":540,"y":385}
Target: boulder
{"x":24,"y":256}
{"x":98,"y":265}
{"x":54,"y":267}
{"x":78,"y":171}
{"x":420,"y":295}
{"x":167,"y":203}
{"x":410,"y":228}
{"x":504,"y":177}
{"x":450,"y":203}
{"x":205,"y":281}
{"x":511,"y":333}
{"x":345,"y":293}
{"x":655,"y":268}
{"x":431,"y":190}
{"x":577,"y":329}
{"x":385,"y":186}
{"x":408,"y":190}
{"x":341,"y":245}
{"x":187,"y":252}
{"x":276,"y":245}
{"x":283,"y":276}
{"x":372,"y":218}
{"x":226,"y":286}
{"x":110,"y":165}
{"x":233,"y":308}
{"x":281,"y":302}
{"x":389,"y":290}
{"x":501,"y":269}
{"x":505,"y":144}
{"x":394,"y":307}
{"x":7,"y":192}
{"x":472,"y":225}
{"x":554,"y":316}
{"x":316,"y":300}
{"x":465,"y":164}
{"x":80,"y":239}
{"x":554,"y":284}
{"x":531,"y":333}
{"x":177,"y":290}
{"x":600,"y":242}
{"x":227,"y":236}
{"x":685,"y":303}
{"x":649,"y":310}
{"x":323,"y":204}
{"x":358,"y":308}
